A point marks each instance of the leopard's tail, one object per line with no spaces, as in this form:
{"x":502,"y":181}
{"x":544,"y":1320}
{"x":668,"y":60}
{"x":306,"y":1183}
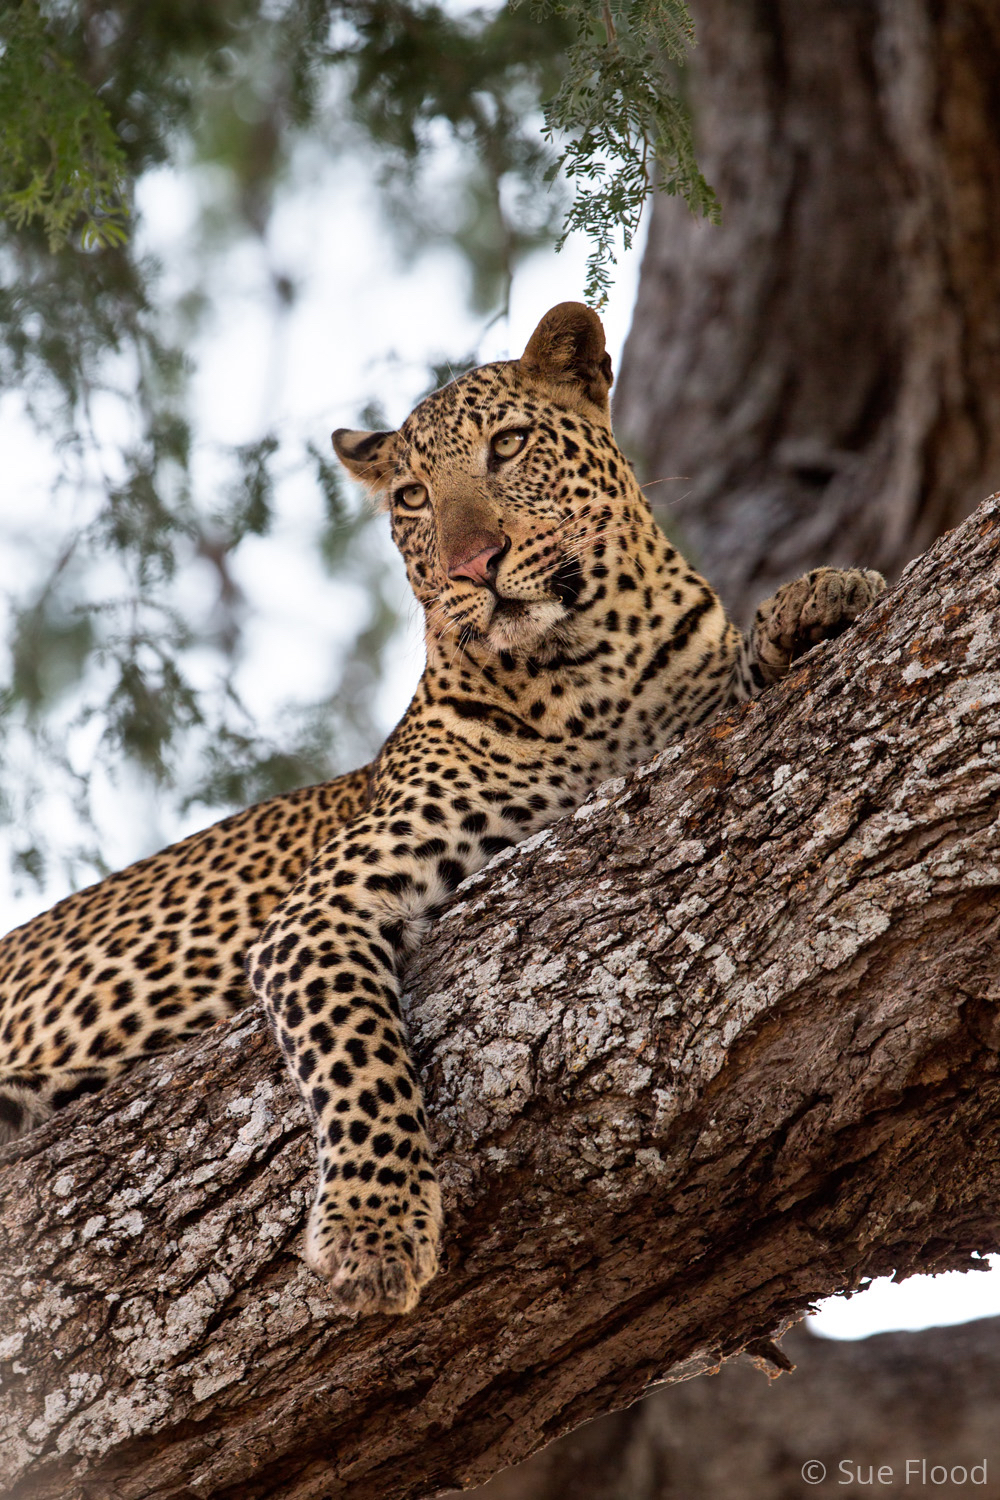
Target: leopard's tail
{"x":30,"y":1096}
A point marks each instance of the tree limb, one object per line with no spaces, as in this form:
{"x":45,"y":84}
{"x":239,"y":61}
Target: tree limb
{"x":721,"y":1043}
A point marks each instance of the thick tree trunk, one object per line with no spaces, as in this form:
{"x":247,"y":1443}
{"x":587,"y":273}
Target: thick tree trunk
{"x":919,"y":1407}
{"x":723,"y":1042}
{"x":824,"y":369}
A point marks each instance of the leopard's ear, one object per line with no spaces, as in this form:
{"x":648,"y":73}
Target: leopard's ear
{"x":568,"y":347}
{"x":369,"y":457}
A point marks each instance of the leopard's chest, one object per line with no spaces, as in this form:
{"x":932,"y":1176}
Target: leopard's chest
{"x":634,"y":700}
{"x":548,"y":748}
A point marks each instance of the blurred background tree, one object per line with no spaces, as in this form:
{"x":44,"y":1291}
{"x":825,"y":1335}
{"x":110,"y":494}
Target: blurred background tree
{"x":825,"y":368}
{"x":928,"y":1408}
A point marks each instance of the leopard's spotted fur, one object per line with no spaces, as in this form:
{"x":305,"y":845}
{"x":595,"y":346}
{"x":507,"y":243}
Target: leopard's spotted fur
{"x":566,"y":640}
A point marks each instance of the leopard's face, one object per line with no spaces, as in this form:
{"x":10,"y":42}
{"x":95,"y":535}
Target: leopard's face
{"x":496,"y":510}
{"x":506,"y":490}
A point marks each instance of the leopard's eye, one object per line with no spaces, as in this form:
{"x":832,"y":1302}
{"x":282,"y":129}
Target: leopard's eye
{"x":507,"y":444}
{"x":411,"y":496}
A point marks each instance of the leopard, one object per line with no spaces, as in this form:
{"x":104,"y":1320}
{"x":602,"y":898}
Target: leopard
{"x":566,"y":640}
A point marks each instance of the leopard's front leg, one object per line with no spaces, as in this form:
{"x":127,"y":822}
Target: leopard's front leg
{"x":326,"y":967}
{"x":816,"y":607}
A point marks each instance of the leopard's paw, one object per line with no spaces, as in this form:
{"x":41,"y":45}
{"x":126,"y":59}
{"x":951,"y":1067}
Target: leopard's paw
{"x":376,"y":1258}
{"x":816,"y":607}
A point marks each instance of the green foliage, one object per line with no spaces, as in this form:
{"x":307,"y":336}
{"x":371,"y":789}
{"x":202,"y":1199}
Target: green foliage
{"x":418,"y":72}
{"x":60,"y":160}
{"x":598,"y":68}
{"x":114,"y":663}
{"x":626,"y":131}
{"x":250,"y":512}
{"x":48,"y":650}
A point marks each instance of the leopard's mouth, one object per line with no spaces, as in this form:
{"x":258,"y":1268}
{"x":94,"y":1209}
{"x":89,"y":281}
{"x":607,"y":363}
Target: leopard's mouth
{"x":522,"y":625}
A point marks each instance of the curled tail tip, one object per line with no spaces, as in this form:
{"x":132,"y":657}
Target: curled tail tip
{"x":14,"y":1119}
{"x":22,"y":1107}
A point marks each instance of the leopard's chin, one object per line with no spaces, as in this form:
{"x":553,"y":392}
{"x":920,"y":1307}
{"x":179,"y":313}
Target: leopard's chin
{"x":522,"y":626}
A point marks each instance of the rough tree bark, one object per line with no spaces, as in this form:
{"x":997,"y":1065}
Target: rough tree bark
{"x":723,"y":1042}
{"x":825,"y":368}
{"x":922,"y":1405}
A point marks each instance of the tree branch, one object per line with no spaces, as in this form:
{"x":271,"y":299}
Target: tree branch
{"x":723,"y":1042}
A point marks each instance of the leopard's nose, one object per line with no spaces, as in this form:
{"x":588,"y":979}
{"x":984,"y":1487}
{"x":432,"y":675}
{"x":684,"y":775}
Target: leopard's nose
{"x":481,"y":566}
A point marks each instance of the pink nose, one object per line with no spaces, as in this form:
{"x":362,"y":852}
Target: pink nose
{"x":478,"y":567}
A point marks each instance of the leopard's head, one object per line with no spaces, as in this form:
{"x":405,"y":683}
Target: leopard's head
{"x":506,"y":491}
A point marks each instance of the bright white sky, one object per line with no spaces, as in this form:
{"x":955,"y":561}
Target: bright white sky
{"x":363,"y":324}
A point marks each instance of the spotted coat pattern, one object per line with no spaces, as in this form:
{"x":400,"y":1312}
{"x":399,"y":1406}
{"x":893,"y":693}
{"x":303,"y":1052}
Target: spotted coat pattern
{"x":566,"y":640}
